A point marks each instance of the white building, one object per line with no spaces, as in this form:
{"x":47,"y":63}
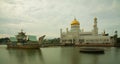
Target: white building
{"x":76,"y":35}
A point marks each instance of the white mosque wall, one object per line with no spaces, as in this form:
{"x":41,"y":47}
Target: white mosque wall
{"x":97,"y":39}
{"x":75,"y":35}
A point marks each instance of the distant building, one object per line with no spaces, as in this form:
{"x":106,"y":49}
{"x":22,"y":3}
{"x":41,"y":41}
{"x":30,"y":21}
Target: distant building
{"x":76,"y":35}
{"x":23,"y":38}
{"x":13,"y":39}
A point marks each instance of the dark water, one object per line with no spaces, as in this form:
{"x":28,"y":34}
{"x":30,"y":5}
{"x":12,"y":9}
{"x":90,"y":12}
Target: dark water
{"x":57,"y":55}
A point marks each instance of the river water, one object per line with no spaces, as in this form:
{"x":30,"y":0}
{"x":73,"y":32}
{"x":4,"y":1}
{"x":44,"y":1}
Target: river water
{"x":57,"y":55}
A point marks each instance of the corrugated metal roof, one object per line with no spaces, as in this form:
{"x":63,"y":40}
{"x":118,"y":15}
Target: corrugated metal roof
{"x":32,"y":38}
{"x":13,"y":39}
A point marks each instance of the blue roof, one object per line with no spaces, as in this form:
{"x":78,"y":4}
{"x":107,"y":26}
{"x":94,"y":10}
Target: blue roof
{"x":32,"y":38}
{"x":13,"y":39}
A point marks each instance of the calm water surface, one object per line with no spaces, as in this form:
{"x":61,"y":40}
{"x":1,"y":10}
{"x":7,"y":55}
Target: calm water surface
{"x":57,"y":55}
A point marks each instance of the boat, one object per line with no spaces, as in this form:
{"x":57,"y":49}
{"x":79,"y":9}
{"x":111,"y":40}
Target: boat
{"x":28,"y":46}
{"x":23,"y":41}
{"x":69,"y":44}
{"x":92,"y":50}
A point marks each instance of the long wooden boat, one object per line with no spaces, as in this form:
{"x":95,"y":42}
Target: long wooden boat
{"x":23,"y":42}
{"x":28,"y":46}
{"x":92,"y":50}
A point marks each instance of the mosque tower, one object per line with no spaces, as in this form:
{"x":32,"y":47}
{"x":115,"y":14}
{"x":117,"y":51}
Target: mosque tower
{"x":95,"y":28}
{"x":75,"y":29}
{"x":75,"y":25}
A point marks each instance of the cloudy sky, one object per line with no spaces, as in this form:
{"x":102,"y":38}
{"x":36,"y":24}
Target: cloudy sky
{"x":39,"y":17}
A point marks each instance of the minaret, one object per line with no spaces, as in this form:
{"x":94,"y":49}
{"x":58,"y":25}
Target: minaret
{"x":60,"y":35}
{"x":104,"y":33}
{"x":66,"y":30}
{"x":115,"y":38}
{"x":95,"y":28}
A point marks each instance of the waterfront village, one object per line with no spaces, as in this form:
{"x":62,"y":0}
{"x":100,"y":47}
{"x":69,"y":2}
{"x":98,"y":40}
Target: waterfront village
{"x":73,"y":37}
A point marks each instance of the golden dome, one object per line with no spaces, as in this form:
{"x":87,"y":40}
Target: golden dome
{"x":95,"y":18}
{"x":75,"y":22}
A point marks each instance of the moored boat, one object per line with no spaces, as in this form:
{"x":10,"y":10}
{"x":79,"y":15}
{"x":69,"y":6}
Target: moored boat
{"x":92,"y":50}
{"x":24,"y":46}
{"x":23,"y":41}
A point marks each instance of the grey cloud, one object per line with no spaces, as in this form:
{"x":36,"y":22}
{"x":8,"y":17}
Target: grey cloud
{"x":50,"y":15}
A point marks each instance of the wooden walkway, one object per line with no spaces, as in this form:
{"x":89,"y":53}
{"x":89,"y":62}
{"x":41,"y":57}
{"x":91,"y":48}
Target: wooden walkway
{"x":80,"y":45}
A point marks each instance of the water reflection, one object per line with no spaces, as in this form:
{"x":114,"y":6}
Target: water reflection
{"x":71,"y":55}
{"x":26,"y":56}
{"x":88,"y":58}
{"x":52,"y":55}
{"x":58,"y":55}
{"x":115,"y":54}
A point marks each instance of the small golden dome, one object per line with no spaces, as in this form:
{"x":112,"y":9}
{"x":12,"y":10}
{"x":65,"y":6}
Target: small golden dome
{"x":95,"y":18}
{"x":75,"y":22}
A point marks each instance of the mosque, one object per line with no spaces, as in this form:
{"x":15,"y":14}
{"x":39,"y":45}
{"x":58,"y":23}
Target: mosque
{"x":76,"y":35}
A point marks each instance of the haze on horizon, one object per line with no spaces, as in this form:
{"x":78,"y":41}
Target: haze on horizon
{"x":39,"y":17}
